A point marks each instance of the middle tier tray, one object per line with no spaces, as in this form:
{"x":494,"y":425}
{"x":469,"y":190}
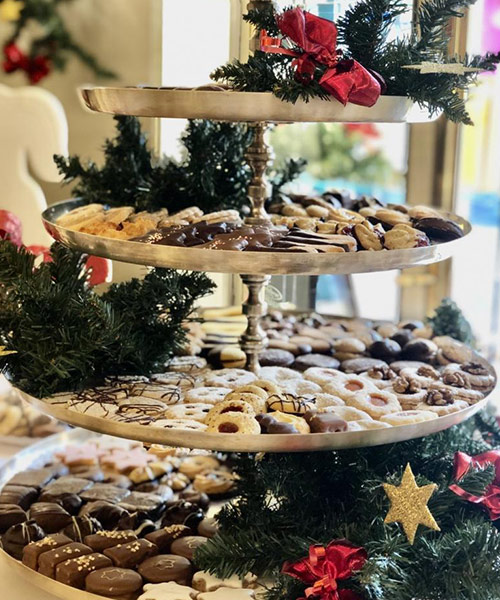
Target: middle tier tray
{"x":228,"y":442}
{"x":258,"y":263}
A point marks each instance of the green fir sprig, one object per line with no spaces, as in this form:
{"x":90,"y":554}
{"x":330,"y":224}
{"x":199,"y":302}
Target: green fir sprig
{"x":363,"y":34}
{"x":213,"y":175}
{"x":65,"y":335}
{"x":289,"y":501}
{"x":448,"y":319}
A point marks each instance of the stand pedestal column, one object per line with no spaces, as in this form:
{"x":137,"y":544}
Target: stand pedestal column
{"x":254,"y":340}
{"x":258,"y":155}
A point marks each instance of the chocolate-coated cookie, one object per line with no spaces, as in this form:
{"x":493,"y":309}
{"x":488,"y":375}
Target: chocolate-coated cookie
{"x":50,"y":516}
{"x":273,"y":357}
{"x":33,"y":551}
{"x":183,"y":513}
{"x":304,"y":362}
{"x":74,"y":572}
{"x":18,"y":494}
{"x":360,"y":365}
{"x":48,"y":561}
{"x":106,"y":513}
{"x":439,"y":230}
{"x":107,"y":539}
{"x":385,"y":350}
{"x":128,"y":556}
{"x":11,"y":514}
{"x":208,"y":527}
{"x":166,"y":567}
{"x":188,"y":545}
{"x":18,"y":536}
{"x":113,"y":582}
{"x":420,"y":349}
{"x":81,"y":527}
{"x":163,"y":538}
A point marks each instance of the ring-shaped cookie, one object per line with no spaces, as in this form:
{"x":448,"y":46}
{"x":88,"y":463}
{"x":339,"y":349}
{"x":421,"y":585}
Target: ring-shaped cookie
{"x":230,"y":378}
{"x":408,"y":417}
{"x":347,"y":387}
{"x":376,"y":404}
{"x":234,"y":422}
{"x":230,"y":406}
{"x":323,"y":376}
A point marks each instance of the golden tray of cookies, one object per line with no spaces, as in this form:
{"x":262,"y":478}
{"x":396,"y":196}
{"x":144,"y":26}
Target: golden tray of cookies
{"x":267,"y":262}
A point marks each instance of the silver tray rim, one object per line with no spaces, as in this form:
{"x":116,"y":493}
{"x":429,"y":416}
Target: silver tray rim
{"x":258,"y":263}
{"x":31,"y":457}
{"x":233,"y":105}
{"x":225,"y":442}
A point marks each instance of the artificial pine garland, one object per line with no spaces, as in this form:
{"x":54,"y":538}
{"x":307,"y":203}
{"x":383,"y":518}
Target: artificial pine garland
{"x":363,"y":35}
{"x":65,"y":335}
{"x":214,"y":174}
{"x":51,"y":48}
{"x":290,"y":501}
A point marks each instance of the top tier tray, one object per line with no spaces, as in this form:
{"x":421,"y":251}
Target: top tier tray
{"x":231,"y":261}
{"x":224,"y":105}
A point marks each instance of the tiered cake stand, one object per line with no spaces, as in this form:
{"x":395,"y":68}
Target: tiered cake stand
{"x":255,"y":270}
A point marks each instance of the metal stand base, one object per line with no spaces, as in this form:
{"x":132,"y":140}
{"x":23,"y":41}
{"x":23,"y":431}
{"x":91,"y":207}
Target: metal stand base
{"x":254,"y":340}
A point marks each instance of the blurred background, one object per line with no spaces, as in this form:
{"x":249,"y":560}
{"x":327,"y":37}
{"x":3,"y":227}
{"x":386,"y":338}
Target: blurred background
{"x":438,"y":164}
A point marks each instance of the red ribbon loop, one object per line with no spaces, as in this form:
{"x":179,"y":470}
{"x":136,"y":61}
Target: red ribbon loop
{"x":490,"y":500}
{"x":344,"y":79}
{"x":325,"y":567}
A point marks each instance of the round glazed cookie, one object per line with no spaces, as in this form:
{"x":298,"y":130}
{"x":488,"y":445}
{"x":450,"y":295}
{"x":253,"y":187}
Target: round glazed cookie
{"x":195,"y":411}
{"x":166,"y":567}
{"x":206,"y":395}
{"x":376,"y":404}
{"x":113,"y":582}
{"x":302,"y":387}
{"x":192,"y":465}
{"x":186,"y":546}
{"x":229,"y":378}
{"x":290,"y":403}
{"x":208,"y":527}
{"x":297,"y":422}
{"x":323,"y":376}
{"x":408,"y":417}
{"x":230,"y":406}
{"x":253,"y":389}
{"x":349,"y":386}
{"x":258,"y":403}
{"x":444,"y":410}
{"x":307,"y":361}
{"x":234,"y":422}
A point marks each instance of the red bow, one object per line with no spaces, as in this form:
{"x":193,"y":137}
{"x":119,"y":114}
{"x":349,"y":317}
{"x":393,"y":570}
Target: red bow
{"x":490,"y":500}
{"x":36,"y":67}
{"x":325,"y":567}
{"x":345,"y":79}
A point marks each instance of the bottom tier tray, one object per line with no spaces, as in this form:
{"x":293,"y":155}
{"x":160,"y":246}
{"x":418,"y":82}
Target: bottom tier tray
{"x":256,"y":443}
{"x":42,"y":453}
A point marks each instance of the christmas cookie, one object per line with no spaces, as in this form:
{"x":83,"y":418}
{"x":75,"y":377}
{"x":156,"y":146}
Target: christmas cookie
{"x":229,"y":378}
{"x":348,"y":413}
{"x":166,"y":567}
{"x":279,"y":375}
{"x":195,"y":411}
{"x":347,"y":387}
{"x":408,"y":417}
{"x":189,"y":424}
{"x":376,"y":404}
{"x":325,"y":400}
{"x":234,"y":422}
{"x":229,"y":407}
{"x":256,"y":401}
{"x":193,"y":465}
{"x":204,"y":582}
{"x":302,"y":387}
{"x":444,"y":409}
{"x":113,"y":582}
{"x":182,"y":381}
{"x":168,"y":591}
{"x":323,"y":376}
{"x":270,"y":387}
{"x":366,"y":425}
{"x":325,"y":422}
{"x":307,"y":361}
{"x":290,"y":403}
{"x":206,"y":395}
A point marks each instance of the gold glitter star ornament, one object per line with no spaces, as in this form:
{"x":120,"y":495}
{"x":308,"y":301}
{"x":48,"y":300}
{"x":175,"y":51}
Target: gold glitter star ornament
{"x":10,"y":10}
{"x":409,"y":504}
{"x":4,"y":352}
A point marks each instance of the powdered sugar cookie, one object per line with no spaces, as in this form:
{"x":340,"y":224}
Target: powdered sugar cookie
{"x":323,"y":376}
{"x":230,"y":406}
{"x":253,"y":389}
{"x":325,"y":400}
{"x":279,"y":375}
{"x":180,"y":424}
{"x":302,"y":387}
{"x":184,"y":381}
{"x":187,"y":364}
{"x":349,"y":386}
{"x":444,"y":410}
{"x":291,"y":404}
{"x":168,"y":591}
{"x":206,"y":395}
{"x":229,"y":378}
{"x":408,"y":417}
{"x":376,"y":404}
{"x":234,"y":422}
{"x":348,"y":413}
{"x":196,"y":411}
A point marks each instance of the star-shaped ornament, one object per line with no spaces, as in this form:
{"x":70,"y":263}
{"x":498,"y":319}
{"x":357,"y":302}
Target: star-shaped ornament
{"x":3,"y":351}
{"x":10,"y":10}
{"x":409,"y":504}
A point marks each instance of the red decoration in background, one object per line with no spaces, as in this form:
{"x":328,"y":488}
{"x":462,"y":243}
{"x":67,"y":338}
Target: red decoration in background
{"x":490,"y":500}
{"x":324,"y":567}
{"x":11,"y":229}
{"x":36,"y":67}
{"x":345,"y":79}
{"x":366,"y":129}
